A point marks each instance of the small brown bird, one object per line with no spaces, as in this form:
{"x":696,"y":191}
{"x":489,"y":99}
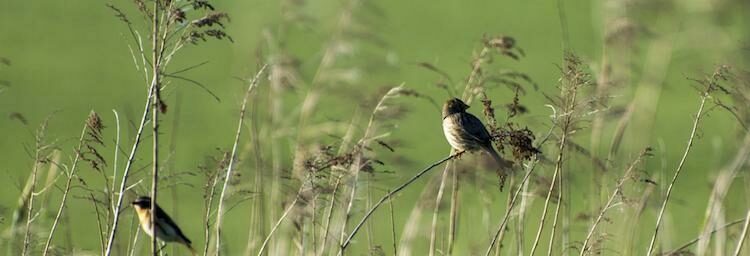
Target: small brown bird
{"x":465,"y":132}
{"x":166,"y":229}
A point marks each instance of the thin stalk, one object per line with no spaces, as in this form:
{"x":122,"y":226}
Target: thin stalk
{"x":393,"y":228}
{"x":569,"y":94}
{"x":704,"y":235}
{"x":388,"y":196}
{"x":355,"y":167}
{"x":256,"y":229}
{"x":564,"y":43}
{"x":438,"y":199}
{"x":155,"y":79}
{"x":314,"y":206}
{"x":114,"y":162}
{"x":557,"y":211}
{"x":507,"y":206}
{"x":32,"y":193}
{"x":206,"y":219}
{"x":313,"y":95}
{"x":698,"y":116}
{"x":132,"y":244}
{"x":611,"y":199}
{"x":155,"y":164}
{"x":747,"y":191}
{"x":329,"y":214}
{"x":337,"y":183}
{"x":65,"y":191}
{"x":98,"y":222}
{"x":126,"y":173}
{"x":52,"y":177}
{"x":721,"y":186}
{"x":18,"y":215}
{"x":741,"y":242}
{"x":524,"y":185}
{"x":278,"y":223}
{"x":368,"y":205}
{"x":476,"y":71}
{"x":357,"y":163}
{"x":501,"y":228}
{"x":454,"y":210}
{"x":230,"y":167}
{"x":412,"y":225}
{"x":151,"y":94}
{"x":68,"y":235}
{"x":558,"y":167}
{"x":521,"y":221}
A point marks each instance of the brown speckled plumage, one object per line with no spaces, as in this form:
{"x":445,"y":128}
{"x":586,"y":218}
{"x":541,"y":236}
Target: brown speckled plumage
{"x":465,"y":132}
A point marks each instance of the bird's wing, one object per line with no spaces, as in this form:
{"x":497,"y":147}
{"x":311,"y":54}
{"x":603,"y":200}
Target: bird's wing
{"x":474,"y":127}
{"x":170,"y":222}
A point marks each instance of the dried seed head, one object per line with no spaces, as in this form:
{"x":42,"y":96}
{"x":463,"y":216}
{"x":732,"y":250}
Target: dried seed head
{"x":211,"y":19}
{"x":94,"y":127}
{"x":504,"y":45}
{"x":119,"y":14}
{"x":202,"y":4}
{"x":500,"y":42}
{"x":93,"y":138}
{"x":178,"y":15}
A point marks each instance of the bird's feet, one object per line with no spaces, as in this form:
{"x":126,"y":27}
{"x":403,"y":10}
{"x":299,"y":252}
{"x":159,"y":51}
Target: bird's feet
{"x":457,"y":155}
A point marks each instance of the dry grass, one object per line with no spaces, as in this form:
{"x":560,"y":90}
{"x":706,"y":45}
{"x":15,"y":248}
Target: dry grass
{"x":307,"y":182}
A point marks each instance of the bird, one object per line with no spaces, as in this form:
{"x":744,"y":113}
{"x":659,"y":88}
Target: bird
{"x":166,"y":229}
{"x":465,"y":132}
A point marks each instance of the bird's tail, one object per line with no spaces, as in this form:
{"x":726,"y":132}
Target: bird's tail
{"x":501,"y":163}
{"x":503,"y":166}
{"x":192,"y":250}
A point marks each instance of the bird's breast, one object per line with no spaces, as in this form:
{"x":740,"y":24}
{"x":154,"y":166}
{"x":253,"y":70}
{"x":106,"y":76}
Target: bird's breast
{"x":144,"y":217}
{"x":453,"y":133}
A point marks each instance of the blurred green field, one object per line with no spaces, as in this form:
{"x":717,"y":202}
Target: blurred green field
{"x":66,"y":59}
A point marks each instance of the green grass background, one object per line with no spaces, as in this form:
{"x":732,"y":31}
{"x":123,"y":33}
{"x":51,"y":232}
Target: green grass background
{"x":70,"y":57}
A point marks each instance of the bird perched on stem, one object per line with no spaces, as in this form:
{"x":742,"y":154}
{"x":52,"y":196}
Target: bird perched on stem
{"x":166,"y":229}
{"x":465,"y":132}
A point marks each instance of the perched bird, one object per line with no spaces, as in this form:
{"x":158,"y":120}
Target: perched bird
{"x":166,"y":229}
{"x":465,"y":132}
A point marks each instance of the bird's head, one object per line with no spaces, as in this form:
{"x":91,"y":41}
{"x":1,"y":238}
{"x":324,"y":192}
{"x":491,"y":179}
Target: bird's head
{"x":142,"y":202}
{"x":453,"y":106}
